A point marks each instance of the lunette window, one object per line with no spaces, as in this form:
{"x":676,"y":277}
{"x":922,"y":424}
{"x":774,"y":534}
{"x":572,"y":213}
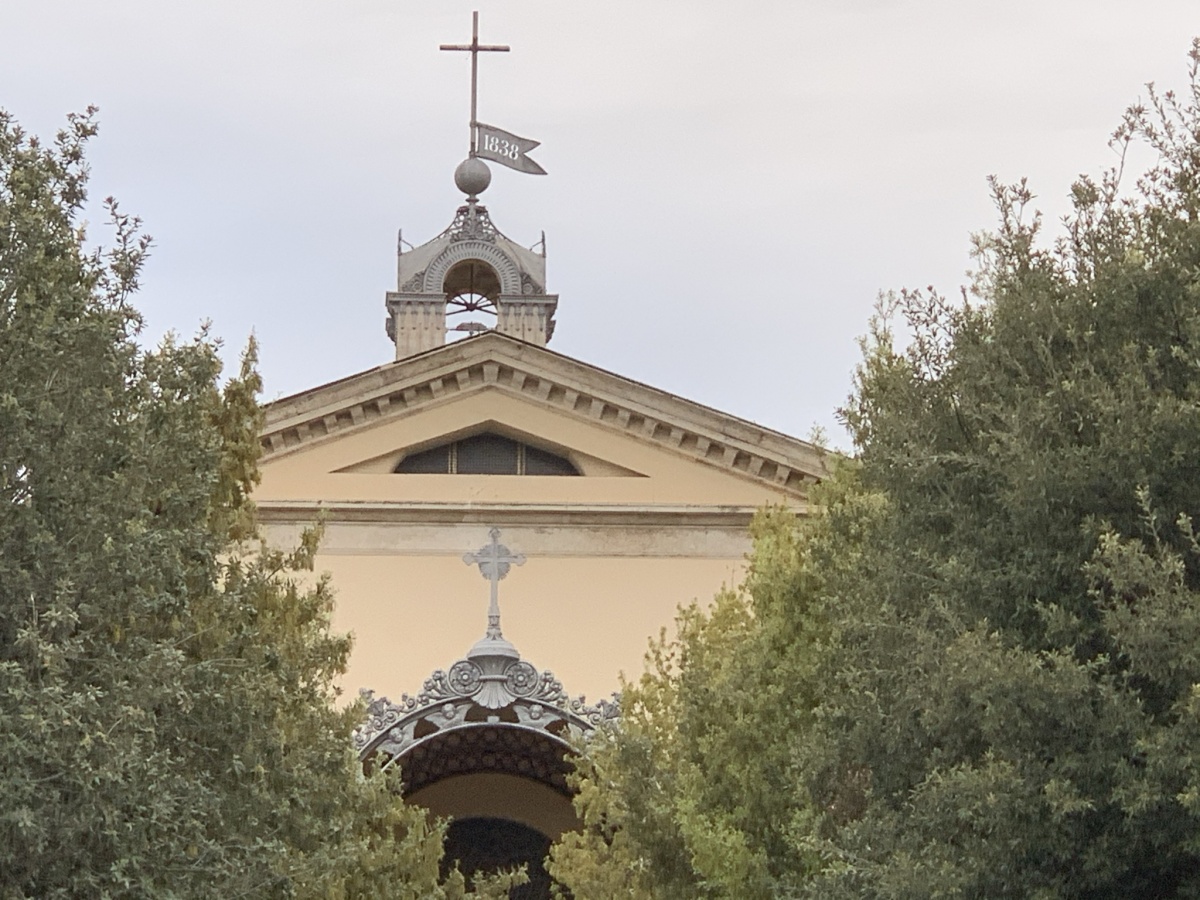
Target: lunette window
{"x":485,"y":454}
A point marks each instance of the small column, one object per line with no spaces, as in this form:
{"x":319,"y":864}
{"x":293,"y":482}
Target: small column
{"x":417,"y":323}
{"x":527,"y":317}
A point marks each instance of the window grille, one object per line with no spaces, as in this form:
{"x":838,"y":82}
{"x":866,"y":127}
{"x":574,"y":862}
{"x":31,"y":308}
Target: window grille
{"x":485,"y":454}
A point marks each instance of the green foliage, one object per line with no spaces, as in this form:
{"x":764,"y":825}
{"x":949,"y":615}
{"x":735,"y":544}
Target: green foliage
{"x":691,"y":797}
{"x":1029,"y":443}
{"x":989,"y":641}
{"x":166,"y":682}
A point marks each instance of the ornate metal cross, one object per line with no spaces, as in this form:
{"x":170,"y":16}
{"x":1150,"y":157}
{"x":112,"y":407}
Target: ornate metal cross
{"x":494,"y":561}
{"x":475,"y":48}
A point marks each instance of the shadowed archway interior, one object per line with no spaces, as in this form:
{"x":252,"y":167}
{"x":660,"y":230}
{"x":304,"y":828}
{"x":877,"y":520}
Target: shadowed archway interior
{"x":487,"y":845}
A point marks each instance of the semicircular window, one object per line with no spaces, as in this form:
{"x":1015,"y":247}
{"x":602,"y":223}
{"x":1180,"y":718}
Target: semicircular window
{"x":485,"y":454}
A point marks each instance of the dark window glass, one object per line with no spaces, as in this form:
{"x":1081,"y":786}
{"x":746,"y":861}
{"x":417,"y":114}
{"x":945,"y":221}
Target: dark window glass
{"x":487,"y":454}
{"x":435,"y":461}
{"x":541,"y":462}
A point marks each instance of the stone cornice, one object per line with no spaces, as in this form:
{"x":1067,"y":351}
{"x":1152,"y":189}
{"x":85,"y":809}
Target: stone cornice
{"x":409,"y":512}
{"x":494,"y":361}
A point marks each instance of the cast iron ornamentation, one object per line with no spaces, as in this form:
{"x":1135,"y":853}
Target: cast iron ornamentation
{"x":539,"y":703}
{"x":472,"y":223}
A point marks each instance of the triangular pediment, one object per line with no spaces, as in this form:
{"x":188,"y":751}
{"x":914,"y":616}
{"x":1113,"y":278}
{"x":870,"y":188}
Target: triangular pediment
{"x":517,"y":445}
{"x":366,"y":423}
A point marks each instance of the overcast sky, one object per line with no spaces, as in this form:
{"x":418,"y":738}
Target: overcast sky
{"x":731,"y":183}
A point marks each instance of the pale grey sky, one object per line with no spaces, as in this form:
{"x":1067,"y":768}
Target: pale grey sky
{"x":731,"y":184}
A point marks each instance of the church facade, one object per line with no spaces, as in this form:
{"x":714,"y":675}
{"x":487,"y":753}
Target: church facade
{"x":616,"y":503}
{"x":628,"y":500}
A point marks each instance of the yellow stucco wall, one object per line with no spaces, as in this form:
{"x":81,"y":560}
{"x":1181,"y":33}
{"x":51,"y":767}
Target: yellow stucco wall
{"x":610,"y":557}
{"x":586,"y":619}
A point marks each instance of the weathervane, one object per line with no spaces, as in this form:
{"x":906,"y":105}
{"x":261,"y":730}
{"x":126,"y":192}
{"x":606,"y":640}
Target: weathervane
{"x":494,"y":561}
{"x":487,"y":141}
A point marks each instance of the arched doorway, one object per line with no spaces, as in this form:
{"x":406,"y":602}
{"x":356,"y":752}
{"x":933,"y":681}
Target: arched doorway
{"x":490,"y":845}
{"x":486,"y":744}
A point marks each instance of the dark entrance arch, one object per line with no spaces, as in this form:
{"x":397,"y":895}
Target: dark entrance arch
{"x":488,"y":845}
{"x":487,"y":745}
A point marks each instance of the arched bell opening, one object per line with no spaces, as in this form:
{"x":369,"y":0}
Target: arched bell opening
{"x":472,"y":288}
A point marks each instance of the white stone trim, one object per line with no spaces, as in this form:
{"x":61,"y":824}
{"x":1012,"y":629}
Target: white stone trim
{"x":460,"y":251}
{"x":544,"y":530}
{"x":757,"y":454}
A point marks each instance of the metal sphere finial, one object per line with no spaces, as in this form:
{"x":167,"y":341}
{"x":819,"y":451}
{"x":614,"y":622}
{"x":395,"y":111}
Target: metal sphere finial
{"x":472,"y":176}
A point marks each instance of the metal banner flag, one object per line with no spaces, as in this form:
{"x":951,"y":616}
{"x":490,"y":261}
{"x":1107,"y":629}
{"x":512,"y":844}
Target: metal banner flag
{"x":506,"y":148}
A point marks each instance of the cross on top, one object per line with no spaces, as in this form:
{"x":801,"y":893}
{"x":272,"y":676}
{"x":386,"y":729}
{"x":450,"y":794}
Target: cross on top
{"x":494,"y":561}
{"x":475,"y":48}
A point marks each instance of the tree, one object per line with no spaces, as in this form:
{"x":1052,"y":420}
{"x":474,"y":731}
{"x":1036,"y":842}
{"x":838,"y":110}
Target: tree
{"x":691,"y":795}
{"x":166,"y":680}
{"x":1008,"y":703}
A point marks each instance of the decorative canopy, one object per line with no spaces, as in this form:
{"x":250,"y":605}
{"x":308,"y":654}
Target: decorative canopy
{"x":491,"y":711}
